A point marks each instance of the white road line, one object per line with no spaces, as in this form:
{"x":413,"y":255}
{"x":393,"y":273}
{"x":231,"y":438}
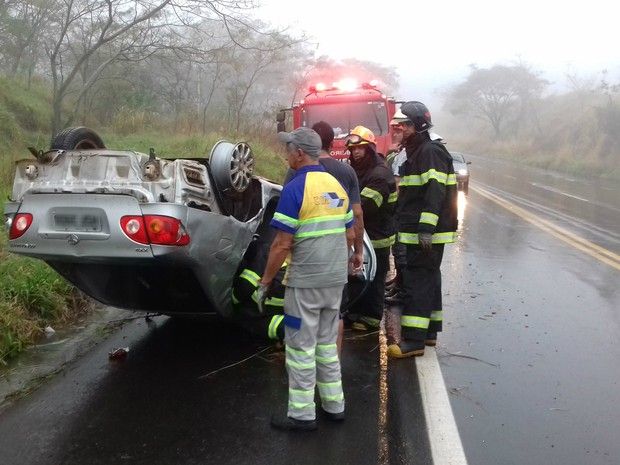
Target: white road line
{"x":446,"y":446}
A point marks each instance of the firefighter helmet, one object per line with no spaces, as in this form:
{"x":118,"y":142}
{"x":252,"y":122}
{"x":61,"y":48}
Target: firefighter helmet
{"x":418,"y":114}
{"x":360,"y":136}
{"x":398,"y":118}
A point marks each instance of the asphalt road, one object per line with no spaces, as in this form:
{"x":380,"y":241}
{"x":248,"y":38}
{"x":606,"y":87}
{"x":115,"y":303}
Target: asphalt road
{"x":529,"y":356}
{"x":530,"y":350}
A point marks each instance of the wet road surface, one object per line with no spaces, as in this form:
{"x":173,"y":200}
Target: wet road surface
{"x":530,"y":350}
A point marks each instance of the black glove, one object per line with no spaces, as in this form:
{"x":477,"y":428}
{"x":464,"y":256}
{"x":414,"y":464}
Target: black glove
{"x":425,"y":240}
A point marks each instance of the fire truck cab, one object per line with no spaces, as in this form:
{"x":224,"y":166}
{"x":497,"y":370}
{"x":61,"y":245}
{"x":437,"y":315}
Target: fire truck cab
{"x":344,"y":106}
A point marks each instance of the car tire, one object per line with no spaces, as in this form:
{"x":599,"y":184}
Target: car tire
{"x":80,"y":138}
{"x":232,"y":165}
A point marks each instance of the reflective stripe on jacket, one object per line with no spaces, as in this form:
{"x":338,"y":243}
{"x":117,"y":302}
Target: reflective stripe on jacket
{"x":427,"y":199}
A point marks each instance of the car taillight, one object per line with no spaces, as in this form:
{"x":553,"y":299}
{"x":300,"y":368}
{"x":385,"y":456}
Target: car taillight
{"x":21,"y":223}
{"x":133,"y":227}
{"x":155,"y":229}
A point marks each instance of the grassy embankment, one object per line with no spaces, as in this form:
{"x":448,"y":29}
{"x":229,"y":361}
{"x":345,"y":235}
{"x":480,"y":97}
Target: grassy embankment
{"x":32,"y":295}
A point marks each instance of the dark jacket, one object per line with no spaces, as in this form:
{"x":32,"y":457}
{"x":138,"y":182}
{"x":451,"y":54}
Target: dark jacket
{"x":427,"y":199}
{"x":378,"y":195}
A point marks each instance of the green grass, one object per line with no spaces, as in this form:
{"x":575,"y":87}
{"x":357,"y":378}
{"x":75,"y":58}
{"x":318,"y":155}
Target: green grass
{"x":32,"y":296}
{"x":27,"y":104}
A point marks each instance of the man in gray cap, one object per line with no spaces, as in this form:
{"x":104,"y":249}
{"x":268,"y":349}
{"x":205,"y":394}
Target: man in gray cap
{"x":314,"y":223}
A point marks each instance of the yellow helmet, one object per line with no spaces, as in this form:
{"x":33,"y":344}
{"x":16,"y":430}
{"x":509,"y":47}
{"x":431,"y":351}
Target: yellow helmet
{"x":360,"y":136}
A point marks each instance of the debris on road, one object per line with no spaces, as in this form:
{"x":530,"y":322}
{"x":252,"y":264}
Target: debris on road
{"x":119,"y":353}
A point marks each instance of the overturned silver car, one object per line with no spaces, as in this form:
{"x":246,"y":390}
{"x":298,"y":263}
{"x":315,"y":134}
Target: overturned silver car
{"x":143,"y":233}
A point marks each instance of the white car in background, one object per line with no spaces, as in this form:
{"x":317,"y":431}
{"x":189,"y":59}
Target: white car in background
{"x":461,"y":169}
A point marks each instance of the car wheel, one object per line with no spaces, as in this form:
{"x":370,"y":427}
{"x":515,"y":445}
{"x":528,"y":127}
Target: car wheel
{"x":79,"y":138}
{"x":232,"y":165}
{"x":359,"y":283}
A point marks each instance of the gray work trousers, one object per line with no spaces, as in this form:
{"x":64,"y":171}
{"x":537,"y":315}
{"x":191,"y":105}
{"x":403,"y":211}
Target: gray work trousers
{"x":311,"y":318}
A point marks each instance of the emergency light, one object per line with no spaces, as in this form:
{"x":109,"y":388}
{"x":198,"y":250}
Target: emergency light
{"x":344,"y":85}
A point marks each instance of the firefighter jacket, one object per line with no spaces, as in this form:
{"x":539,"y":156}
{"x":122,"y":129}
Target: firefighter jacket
{"x":427,"y":200}
{"x":245,"y":298}
{"x":378,"y":196}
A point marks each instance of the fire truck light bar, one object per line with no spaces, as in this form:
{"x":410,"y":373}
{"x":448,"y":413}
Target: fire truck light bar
{"x":346,"y":85}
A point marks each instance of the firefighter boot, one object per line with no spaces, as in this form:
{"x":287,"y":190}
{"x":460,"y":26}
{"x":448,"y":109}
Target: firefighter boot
{"x":366,"y":323}
{"x":411,"y":345}
{"x":431,"y":339}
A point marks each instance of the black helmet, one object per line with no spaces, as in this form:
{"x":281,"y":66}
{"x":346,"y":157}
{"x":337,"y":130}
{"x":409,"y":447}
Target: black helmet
{"x":418,"y":114}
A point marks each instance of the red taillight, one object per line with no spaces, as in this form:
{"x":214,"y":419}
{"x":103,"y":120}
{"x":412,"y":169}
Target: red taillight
{"x":133,"y":226}
{"x":155,"y":229}
{"x":21,"y":223}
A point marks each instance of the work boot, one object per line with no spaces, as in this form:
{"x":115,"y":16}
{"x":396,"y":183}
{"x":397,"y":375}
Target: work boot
{"x":338,"y":416}
{"x":292,"y":424}
{"x":431,"y":339}
{"x":366,"y":323}
{"x":406,"y":348}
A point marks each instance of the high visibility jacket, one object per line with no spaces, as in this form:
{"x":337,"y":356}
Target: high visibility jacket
{"x":378,"y":195}
{"x":427,"y":200}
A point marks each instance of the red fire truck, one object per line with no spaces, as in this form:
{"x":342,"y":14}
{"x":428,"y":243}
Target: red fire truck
{"x":344,"y":105}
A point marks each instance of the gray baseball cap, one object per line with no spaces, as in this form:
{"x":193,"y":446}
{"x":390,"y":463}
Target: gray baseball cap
{"x":304,"y":138}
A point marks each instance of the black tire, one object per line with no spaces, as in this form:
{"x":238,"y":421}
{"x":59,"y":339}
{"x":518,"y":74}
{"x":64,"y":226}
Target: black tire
{"x":79,"y":138}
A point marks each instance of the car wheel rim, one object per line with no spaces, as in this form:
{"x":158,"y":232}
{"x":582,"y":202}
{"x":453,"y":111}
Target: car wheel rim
{"x":241,"y":166}
{"x":232,"y":165}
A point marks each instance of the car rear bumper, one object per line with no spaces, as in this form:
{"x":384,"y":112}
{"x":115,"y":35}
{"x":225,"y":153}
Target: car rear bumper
{"x":80,"y":235}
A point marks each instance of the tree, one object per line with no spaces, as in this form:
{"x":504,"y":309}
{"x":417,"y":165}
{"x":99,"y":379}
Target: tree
{"x":496,"y":95}
{"x":87,"y":36}
{"x":21,"y":26}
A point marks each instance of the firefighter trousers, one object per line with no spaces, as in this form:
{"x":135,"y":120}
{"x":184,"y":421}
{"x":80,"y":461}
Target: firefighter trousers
{"x":311,"y":319}
{"x":421,"y":292}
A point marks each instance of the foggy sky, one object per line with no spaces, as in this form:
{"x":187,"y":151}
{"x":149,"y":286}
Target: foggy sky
{"x":432,"y":46}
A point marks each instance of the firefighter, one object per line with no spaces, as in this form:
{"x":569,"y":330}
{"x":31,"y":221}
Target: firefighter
{"x":378,"y":196}
{"x":267,"y":323}
{"x":427,"y":220}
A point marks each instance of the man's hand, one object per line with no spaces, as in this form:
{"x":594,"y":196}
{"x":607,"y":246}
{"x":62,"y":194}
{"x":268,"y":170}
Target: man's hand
{"x":425,"y":240}
{"x":357,"y":261}
{"x":263,"y":292}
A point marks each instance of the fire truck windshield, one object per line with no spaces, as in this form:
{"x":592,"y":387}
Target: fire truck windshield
{"x":343,"y":117}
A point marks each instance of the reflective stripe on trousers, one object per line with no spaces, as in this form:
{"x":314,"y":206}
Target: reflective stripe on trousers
{"x":311,"y":319}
